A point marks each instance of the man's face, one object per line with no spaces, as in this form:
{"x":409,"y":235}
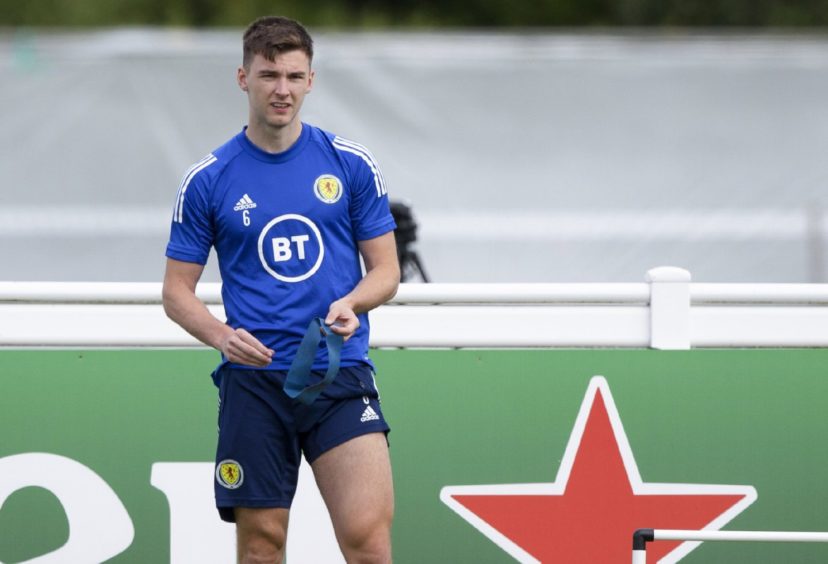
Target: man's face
{"x":276,"y":89}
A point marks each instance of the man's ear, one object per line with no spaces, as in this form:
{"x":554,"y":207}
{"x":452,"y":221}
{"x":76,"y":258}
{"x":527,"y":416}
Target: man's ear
{"x":241,"y":78}
{"x":311,"y":76}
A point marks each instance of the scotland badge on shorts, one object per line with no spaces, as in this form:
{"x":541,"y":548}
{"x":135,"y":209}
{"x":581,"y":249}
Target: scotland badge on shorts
{"x":229,"y":474}
{"x":328,"y":188}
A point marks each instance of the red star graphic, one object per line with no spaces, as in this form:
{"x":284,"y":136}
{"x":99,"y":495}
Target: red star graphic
{"x":589,"y":513}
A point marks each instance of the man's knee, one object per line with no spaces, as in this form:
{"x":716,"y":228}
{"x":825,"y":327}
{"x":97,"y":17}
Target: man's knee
{"x":261,"y":536}
{"x":367,"y":540}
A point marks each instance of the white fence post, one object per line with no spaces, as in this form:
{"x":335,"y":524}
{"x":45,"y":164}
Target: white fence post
{"x":669,"y":308}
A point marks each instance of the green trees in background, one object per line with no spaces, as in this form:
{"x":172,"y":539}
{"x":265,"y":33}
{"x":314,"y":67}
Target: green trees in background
{"x":419,"y":13}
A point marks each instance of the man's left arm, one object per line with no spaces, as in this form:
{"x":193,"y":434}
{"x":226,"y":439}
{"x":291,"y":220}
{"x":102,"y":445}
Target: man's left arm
{"x":380,"y":283}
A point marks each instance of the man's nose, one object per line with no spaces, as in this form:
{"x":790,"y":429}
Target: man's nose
{"x":280,"y":88}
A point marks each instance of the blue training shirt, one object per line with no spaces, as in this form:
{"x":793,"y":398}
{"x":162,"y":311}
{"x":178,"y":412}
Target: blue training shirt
{"x":285,"y":228}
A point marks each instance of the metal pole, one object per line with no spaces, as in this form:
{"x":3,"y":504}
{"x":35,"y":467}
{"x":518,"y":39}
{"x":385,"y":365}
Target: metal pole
{"x":757,"y":536}
{"x":640,"y":539}
{"x":642,"y":536}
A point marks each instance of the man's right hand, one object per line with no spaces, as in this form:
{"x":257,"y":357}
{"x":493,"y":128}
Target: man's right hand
{"x":240,"y":347}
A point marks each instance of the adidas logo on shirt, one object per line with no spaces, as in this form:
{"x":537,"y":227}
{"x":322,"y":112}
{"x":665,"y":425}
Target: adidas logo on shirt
{"x":244,"y":204}
{"x":369,"y":415}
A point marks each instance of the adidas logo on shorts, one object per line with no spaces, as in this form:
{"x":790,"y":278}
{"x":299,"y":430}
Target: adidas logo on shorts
{"x":369,"y":415}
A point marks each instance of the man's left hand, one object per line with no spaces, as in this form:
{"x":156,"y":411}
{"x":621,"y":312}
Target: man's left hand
{"x":342,"y":320}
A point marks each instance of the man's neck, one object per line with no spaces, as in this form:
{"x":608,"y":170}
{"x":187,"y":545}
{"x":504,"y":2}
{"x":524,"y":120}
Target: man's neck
{"x":272,"y":139}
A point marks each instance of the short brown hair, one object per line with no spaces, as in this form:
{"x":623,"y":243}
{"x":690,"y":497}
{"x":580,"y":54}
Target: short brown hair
{"x":271,"y":35}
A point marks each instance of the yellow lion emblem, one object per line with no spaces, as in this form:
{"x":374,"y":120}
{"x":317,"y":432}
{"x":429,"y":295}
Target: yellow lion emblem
{"x":328,"y":188}
{"x":229,"y":474}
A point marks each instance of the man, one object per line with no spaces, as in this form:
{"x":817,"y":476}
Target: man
{"x":289,"y":209}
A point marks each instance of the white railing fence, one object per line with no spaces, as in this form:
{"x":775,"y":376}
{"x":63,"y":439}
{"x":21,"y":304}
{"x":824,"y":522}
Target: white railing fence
{"x":666,"y":311}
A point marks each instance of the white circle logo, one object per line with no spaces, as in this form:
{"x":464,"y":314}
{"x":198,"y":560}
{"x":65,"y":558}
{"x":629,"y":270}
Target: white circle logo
{"x":291,"y":248}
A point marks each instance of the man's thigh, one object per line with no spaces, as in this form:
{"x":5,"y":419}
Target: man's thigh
{"x":355,"y":481}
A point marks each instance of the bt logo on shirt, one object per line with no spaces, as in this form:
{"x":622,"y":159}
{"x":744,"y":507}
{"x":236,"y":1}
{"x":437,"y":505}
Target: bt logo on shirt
{"x":291,"y":248}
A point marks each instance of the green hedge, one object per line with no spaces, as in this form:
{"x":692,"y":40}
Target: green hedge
{"x":360,"y":14}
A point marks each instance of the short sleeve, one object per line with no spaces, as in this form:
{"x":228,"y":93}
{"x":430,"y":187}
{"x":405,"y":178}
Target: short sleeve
{"x":370,"y":212}
{"x":191,"y":230}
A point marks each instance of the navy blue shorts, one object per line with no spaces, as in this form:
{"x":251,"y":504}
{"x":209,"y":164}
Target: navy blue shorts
{"x":263,"y":432}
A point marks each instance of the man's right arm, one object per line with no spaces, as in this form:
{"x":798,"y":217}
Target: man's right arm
{"x":183,"y":306}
